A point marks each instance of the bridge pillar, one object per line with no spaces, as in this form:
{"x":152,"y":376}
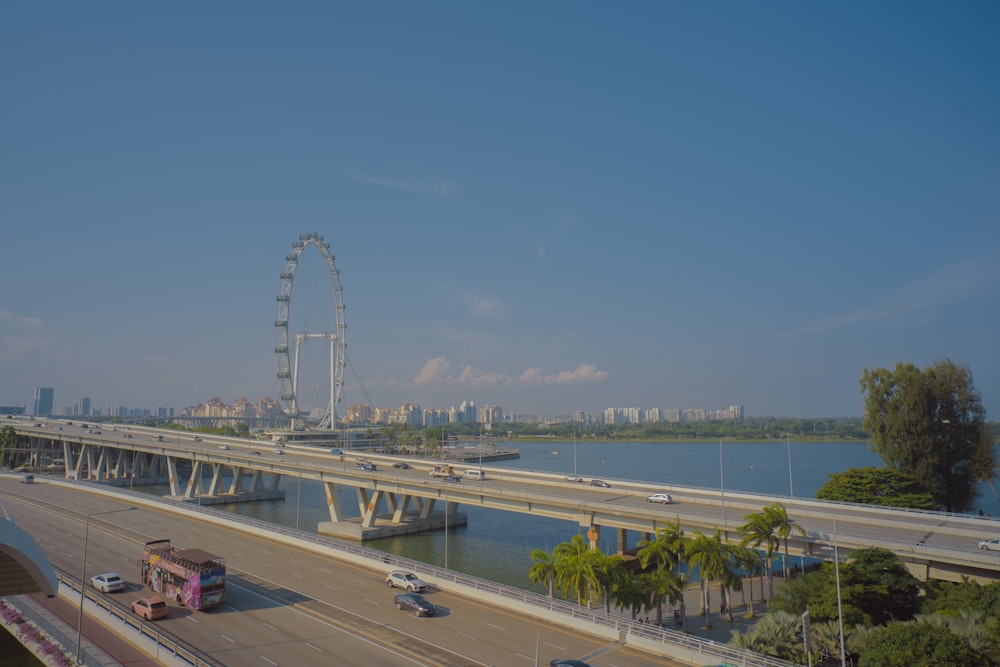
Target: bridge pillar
{"x":336,"y":514}
{"x":594,"y":536}
{"x":622,"y":540}
{"x":401,"y":508}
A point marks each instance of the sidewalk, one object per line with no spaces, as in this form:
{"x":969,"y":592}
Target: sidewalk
{"x":722,"y":631}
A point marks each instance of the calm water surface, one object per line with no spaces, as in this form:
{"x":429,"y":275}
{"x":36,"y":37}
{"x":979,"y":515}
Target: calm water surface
{"x":496,"y":545}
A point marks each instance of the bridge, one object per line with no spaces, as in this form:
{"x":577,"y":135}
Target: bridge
{"x":395,"y":501}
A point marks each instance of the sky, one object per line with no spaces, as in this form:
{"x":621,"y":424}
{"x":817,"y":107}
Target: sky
{"x":546,"y":206}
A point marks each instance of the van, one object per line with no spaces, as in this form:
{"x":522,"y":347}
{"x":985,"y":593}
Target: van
{"x":28,"y":479}
{"x":475,"y":474}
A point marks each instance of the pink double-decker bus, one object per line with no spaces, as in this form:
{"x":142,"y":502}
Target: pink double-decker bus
{"x":192,"y":577}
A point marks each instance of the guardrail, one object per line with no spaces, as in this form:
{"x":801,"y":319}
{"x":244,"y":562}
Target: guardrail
{"x":552,"y":607}
{"x":140,"y":629}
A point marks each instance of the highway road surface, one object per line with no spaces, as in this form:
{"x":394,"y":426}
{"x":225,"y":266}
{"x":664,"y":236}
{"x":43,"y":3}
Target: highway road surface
{"x":286,"y":606}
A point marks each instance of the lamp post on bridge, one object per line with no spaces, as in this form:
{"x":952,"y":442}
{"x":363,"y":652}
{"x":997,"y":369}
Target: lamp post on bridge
{"x":840,"y":613}
{"x":83,"y":579}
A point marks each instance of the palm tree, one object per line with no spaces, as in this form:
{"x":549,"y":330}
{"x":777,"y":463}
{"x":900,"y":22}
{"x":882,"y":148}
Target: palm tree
{"x":544,"y":569}
{"x":751,"y":563}
{"x":667,"y":551}
{"x":782,"y":526}
{"x":758,"y":531}
{"x":712,"y":560}
{"x":608,"y":575}
{"x":663,"y":584}
{"x":632,"y":593}
{"x":574,"y":569}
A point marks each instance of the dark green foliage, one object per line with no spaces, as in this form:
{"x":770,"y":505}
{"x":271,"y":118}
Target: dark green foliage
{"x":875,"y":588}
{"x":915,"y":645}
{"x":950,"y":598}
{"x":931,"y":423}
{"x":877,"y":486}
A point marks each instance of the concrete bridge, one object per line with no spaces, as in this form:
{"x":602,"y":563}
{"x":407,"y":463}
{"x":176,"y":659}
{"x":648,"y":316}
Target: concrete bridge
{"x":396,"y":501}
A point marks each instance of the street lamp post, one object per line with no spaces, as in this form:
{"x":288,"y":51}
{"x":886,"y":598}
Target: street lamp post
{"x":840,"y":613}
{"x":83,"y":579}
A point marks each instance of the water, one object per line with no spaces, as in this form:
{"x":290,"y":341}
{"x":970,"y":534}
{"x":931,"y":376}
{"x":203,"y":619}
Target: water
{"x":496,"y":545}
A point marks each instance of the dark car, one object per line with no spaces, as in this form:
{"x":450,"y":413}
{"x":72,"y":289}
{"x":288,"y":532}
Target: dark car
{"x":601,"y":483}
{"x":402,"y":465}
{"x":367,"y":466}
{"x":567,"y":662}
{"x":414,"y":602}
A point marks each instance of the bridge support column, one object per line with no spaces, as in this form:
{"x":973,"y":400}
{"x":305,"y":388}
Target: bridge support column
{"x":594,"y":536}
{"x":336,"y":514}
{"x":401,"y":509}
{"x":622,"y":540}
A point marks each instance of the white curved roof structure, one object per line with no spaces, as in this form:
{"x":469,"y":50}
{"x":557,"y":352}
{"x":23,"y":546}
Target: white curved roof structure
{"x":24,"y":567}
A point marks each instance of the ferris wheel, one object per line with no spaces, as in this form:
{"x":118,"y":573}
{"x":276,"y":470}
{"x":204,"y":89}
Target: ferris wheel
{"x":313,"y":323}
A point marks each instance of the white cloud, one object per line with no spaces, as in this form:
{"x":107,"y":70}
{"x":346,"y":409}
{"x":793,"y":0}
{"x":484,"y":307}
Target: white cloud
{"x":962,"y":282}
{"x":7,"y":317}
{"x":435,"y":371}
{"x":583,"y":373}
{"x":438,"y":187}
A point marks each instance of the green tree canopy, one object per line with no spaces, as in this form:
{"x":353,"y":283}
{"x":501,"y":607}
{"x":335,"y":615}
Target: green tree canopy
{"x":931,"y":423}
{"x":877,"y":486}
{"x":915,"y":645}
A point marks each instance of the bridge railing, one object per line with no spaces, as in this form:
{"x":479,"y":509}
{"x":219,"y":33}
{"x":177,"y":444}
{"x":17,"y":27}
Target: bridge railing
{"x":163,"y":641}
{"x":383,"y":560}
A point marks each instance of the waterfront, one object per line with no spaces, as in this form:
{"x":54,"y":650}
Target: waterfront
{"x":496,"y":545}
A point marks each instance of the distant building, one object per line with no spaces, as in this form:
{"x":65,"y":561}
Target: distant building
{"x":44,"y":397}
{"x":11,"y":409}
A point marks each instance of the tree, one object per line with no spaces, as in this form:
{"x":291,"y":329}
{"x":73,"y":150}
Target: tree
{"x":877,"y":486}
{"x":8,"y":440}
{"x":915,"y":644}
{"x":608,"y":574}
{"x":777,"y":517}
{"x":874,"y":581}
{"x":632,"y":593}
{"x":931,"y":423}
{"x":575,"y":569}
{"x":666,"y":551}
{"x":712,"y":559}
{"x":544,"y":569}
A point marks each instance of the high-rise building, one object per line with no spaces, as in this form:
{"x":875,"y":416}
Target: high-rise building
{"x":84,"y":407}
{"x":44,"y":397}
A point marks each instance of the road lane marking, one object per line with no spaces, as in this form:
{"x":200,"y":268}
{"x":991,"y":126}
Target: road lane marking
{"x":231,"y":607}
{"x":469,"y":636}
{"x":268,"y":625}
{"x":494,"y":625}
{"x":315,"y":648}
{"x":555,"y":646}
{"x":228,"y":639}
{"x":269,"y":661}
{"x":192,"y":618}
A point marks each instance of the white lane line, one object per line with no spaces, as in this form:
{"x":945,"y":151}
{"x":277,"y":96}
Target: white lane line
{"x":296,"y":574}
{"x":228,"y":639}
{"x":526,"y":657}
{"x":294,"y":560}
{"x":231,"y":607}
{"x":332,"y":588}
{"x":498,"y":627}
{"x":370,"y":601}
{"x":269,"y":661}
{"x":555,"y":646}
{"x":469,"y":636}
{"x":268,"y":625}
{"x":315,"y":648}
{"x":325,"y":571}
{"x":192,"y":618}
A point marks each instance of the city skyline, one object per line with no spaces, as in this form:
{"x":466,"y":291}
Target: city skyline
{"x":551,"y":208}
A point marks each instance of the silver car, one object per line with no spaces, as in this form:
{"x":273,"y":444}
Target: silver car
{"x":407,"y":580}
{"x":109,"y":582}
{"x":990,"y":545}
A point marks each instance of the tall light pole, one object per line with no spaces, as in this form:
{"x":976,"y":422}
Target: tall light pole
{"x":840,"y":613}
{"x":83,"y":579}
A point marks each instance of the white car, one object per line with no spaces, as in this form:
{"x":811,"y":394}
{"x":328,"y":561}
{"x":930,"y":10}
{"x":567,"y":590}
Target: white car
{"x":407,"y":580}
{"x":990,"y":545}
{"x":573,"y":478}
{"x":664,"y":498}
{"x":109,"y":582}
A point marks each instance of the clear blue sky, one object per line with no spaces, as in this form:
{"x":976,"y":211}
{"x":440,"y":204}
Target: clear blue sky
{"x":548,"y":206}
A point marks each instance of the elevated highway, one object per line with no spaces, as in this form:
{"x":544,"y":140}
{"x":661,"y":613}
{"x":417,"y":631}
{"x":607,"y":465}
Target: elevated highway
{"x":395,"y":501}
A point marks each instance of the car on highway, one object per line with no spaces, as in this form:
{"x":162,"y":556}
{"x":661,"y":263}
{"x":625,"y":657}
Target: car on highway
{"x":366,"y":465}
{"x":601,"y":483}
{"x":224,"y":448}
{"x":196,"y":439}
{"x":573,"y":478}
{"x":151,"y":608}
{"x":279,"y":451}
{"x":108,"y":582}
{"x":28,"y":479}
{"x":402,"y":465}
{"x":414,"y":602}
{"x":407,"y":580}
{"x":454,"y":479}
{"x":990,"y":545}
{"x":255,"y":453}
{"x":664,"y":498}
{"x":568,"y":662}
{"x":336,"y":451}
